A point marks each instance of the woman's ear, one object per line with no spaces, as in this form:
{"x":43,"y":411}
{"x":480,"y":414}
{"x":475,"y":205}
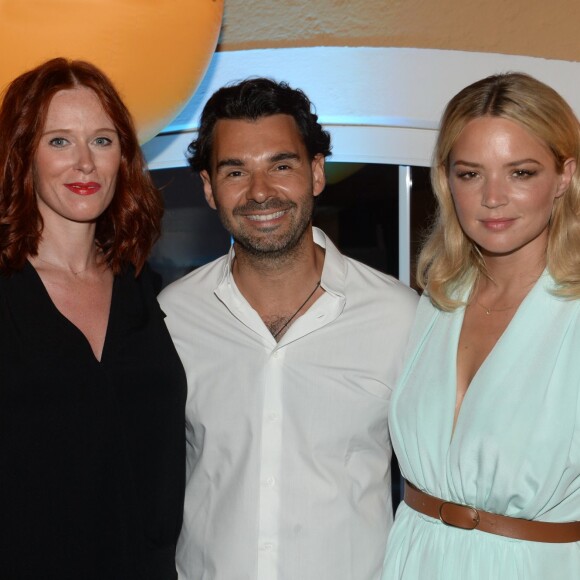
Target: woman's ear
{"x":568,"y":170}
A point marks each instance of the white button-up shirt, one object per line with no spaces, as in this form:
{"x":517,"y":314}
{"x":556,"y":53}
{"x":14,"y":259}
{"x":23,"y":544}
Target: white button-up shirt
{"x":288,"y":472}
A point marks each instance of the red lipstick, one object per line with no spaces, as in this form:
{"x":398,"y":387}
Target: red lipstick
{"x":82,"y":188}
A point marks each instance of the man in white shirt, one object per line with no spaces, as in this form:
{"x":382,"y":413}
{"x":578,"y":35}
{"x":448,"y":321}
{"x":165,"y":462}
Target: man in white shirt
{"x":291,"y":352}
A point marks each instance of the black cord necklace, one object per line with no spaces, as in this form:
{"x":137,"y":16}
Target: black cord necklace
{"x":299,"y":309}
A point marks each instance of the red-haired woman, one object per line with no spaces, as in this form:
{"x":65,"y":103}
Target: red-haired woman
{"x":91,"y":388}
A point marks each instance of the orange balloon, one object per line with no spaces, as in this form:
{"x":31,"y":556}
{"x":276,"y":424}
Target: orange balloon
{"x":155,"y":51}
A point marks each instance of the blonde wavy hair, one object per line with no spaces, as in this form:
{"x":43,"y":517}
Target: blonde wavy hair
{"x":449,"y":262}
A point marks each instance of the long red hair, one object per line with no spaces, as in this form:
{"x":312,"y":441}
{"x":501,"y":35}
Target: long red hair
{"x":127,"y":230}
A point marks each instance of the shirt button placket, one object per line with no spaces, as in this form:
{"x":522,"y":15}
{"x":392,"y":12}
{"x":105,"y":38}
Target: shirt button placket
{"x":272,"y":452}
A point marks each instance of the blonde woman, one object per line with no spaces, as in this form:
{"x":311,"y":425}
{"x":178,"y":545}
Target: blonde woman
{"x":485,"y":418}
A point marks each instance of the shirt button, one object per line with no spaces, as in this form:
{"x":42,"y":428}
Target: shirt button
{"x":275,"y":355}
{"x":268,"y":546}
{"x":271,"y":482}
{"x":274,"y":417}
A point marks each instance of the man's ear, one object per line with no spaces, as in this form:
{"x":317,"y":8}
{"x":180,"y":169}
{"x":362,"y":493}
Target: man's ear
{"x":207,"y":188}
{"x":318,"y":177}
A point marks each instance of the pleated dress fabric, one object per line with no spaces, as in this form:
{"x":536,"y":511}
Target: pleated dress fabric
{"x":515,"y":449}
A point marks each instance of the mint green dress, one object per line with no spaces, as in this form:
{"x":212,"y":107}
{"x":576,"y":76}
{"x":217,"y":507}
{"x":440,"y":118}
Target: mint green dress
{"x":515,"y":450}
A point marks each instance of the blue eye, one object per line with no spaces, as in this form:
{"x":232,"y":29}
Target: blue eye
{"x":58,"y":142}
{"x":103,"y":141}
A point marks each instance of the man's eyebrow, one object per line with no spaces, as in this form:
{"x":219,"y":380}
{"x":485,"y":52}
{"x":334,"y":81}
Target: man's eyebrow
{"x":284,"y":156}
{"x":231,"y":162}
{"x":277,"y":157}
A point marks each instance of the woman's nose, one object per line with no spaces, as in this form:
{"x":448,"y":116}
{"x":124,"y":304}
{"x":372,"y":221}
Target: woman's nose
{"x":494,"y":193}
{"x":85,"y":160}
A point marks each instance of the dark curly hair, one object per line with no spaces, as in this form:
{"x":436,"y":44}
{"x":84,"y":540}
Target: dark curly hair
{"x":129,"y":227}
{"x":252,"y":99}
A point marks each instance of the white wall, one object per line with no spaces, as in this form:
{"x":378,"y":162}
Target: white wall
{"x":381,"y":105}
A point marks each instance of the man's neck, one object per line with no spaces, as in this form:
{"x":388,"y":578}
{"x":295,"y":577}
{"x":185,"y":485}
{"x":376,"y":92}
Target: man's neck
{"x":277,"y":288}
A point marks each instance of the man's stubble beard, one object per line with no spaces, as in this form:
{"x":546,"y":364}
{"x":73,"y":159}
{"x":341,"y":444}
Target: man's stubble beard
{"x":271,"y":248}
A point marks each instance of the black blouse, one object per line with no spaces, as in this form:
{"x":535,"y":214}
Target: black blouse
{"x":92,"y":453}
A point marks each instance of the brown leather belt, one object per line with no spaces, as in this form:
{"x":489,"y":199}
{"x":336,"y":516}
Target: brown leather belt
{"x":470,"y":518}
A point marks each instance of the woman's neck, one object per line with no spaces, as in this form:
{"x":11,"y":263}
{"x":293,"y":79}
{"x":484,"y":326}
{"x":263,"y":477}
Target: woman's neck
{"x":73,"y":250}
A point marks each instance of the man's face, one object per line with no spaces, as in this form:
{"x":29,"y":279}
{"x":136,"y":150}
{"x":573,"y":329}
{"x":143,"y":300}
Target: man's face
{"x":263,"y":183}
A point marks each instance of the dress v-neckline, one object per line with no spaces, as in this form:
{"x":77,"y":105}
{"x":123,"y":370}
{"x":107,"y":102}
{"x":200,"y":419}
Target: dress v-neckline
{"x":455,"y":423}
{"x":68,"y":323}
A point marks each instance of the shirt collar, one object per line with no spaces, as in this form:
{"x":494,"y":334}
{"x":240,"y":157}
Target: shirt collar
{"x":333,"y":271}
{"x":333,"y":277}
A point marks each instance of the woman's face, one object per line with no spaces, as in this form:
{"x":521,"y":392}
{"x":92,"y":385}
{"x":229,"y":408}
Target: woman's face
{"x":504,"y":182}
{"x":77,"y":160}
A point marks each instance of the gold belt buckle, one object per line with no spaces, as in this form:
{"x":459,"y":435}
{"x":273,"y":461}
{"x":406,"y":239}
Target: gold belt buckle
{"x":457,"y":515}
